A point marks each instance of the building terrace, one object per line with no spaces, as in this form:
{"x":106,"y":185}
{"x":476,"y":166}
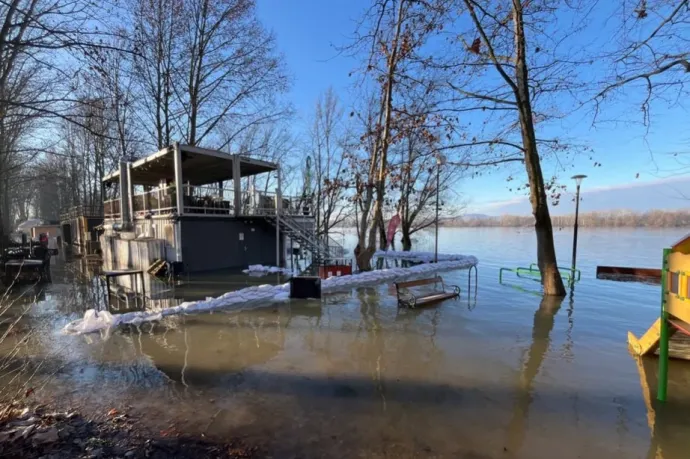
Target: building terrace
{"x":188,"y":180}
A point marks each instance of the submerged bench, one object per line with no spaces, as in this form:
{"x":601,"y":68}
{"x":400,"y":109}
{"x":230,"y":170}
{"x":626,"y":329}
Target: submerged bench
{"x":409,"y":299}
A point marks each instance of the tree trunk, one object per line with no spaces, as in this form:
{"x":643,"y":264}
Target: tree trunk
{"x":406,"y":238}
{"x":384,"y":138}
{"x":546,"y":253}
{"x":383,"y":237}
{"x":364,"y":259}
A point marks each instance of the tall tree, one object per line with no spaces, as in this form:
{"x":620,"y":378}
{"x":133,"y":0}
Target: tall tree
{"x":389,"y":35}
{"x":418,"y":177}
{"x":157,"y":43}
{"x":329,"y":163}
{"x":512,"y":57}
{"x":229,"y":67}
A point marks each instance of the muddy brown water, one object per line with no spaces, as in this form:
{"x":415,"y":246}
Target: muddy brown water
{"x":503,"y":373}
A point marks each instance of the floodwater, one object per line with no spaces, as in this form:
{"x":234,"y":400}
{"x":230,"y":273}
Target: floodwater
{"x":499,"y":373}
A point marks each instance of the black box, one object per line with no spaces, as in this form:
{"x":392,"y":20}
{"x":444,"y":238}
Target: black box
{"x":305,"y":287}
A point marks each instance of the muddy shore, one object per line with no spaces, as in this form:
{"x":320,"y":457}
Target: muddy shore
{"x":43,"y":431}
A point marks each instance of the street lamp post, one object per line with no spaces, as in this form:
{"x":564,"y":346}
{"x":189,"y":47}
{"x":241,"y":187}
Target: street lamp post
{"x":440,"y":160}
{"x":578,"y":181}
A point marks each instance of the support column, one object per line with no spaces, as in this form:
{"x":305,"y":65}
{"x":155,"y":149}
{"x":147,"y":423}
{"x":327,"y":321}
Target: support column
{"x":178,"y":179}
{"x":279,"y":206}
{"x":130,"y":192}
{"x":124,"y":192}
{"x":237,"y":183}
{"x":664,"y":332}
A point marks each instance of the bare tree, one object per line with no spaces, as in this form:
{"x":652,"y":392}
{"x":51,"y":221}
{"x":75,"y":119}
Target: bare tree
{"x":418,"y":176}
{"x":272,"y":142}
{"x":157,"y":43}
{"x":516,"y":69}
{"x":111,"y":81}
{"x":389,"y":33}
{"x":327,"y":150}
{"x":40,"y":41}
{"x":229,"y":67}
{"x":651,"y":53}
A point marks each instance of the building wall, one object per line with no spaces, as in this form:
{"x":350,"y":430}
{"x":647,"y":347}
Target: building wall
{"x":121,"y":253}
{"x":159,"y":228}
{"x":209,"y":243}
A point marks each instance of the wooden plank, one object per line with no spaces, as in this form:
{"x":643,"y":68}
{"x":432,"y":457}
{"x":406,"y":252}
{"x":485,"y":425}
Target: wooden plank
{"x":648,"y":342}
{"x":122,"y":272}
{"x":679,"y":346}
{"x":434,"y":298}
{"x":680,"y":325}
{"x":24,"y":262}
{"x":417,"y":283}
{"x":624,"y":273}
{"x":156,"y":267}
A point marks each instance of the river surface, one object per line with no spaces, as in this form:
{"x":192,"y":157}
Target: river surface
{"x":499,"y":373}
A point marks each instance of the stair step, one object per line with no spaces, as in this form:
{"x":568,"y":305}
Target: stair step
{"x":156,"y":267}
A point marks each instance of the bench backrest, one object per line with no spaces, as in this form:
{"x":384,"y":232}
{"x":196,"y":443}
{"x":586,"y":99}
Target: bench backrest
{"x":418,"y":282}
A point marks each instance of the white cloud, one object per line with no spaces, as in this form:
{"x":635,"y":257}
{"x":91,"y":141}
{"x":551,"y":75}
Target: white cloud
{"x":642,"y":195}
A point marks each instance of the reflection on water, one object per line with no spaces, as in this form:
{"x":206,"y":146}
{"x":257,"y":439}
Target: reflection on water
{"x":497,"y":373}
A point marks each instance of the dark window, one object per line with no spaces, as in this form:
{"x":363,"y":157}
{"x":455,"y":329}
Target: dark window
{"x":674,"y":283}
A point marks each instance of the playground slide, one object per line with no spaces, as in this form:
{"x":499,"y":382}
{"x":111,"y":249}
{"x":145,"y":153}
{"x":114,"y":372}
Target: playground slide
{"x":649,"y":342}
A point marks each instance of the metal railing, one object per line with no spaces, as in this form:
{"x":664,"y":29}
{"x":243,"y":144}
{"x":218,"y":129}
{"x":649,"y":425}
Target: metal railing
{"x":111,"y":208}
{"x":155,"y":202}
{"x":264,"y":203}
{"x":335,"y":249}
{"x":321,"y":248}
{"x":81,"y":211}
{"x":208,"y":200}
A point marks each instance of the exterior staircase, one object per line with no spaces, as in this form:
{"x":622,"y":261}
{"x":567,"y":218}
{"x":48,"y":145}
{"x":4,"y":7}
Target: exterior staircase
{"x":321,"y":250}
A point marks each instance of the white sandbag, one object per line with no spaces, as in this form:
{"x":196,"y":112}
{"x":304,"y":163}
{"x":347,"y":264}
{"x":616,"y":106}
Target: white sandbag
{"x":93,"y":321}
{"x":266,"y":293}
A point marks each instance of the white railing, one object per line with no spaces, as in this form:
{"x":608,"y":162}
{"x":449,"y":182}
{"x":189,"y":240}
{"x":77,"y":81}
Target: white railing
{"x":335,"y":249}
{"x":211,"y":200}
{"x":111,"y":208}
{"x":264,"y":203}
{"x":208,"y":199}
{"x":155,"y":202}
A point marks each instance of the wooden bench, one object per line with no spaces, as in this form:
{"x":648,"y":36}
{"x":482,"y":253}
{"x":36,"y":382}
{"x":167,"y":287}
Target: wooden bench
{"x":409,"y":299}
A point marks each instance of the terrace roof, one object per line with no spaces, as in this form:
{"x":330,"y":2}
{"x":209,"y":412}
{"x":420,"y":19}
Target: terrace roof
{"x":200,"y":166}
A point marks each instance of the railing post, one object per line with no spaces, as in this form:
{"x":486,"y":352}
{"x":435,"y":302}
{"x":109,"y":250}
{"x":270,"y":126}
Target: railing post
{"x":663,"y":332}
{"x":178,"y":178}
{"x":124,"y":191}
{"x":130,"y":192}
{"x":237,"y":183}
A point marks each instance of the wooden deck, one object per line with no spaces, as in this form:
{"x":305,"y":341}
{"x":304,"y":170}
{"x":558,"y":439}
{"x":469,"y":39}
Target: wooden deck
{"x":679,"y":347}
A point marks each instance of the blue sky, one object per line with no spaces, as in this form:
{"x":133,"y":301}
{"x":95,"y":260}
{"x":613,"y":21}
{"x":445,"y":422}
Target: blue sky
{"x":308,"y":33}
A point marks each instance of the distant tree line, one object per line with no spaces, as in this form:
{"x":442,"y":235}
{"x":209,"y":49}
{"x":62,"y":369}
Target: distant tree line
{"x":610,"y":219}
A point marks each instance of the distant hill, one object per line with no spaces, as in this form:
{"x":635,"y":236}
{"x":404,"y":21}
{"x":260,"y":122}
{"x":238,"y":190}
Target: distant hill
{"x":616,"y":218}
{"x":474,"y":216}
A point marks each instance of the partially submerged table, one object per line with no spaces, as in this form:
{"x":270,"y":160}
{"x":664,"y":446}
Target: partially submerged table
{"x":125,"y":272}
{"x":14,"y":267}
